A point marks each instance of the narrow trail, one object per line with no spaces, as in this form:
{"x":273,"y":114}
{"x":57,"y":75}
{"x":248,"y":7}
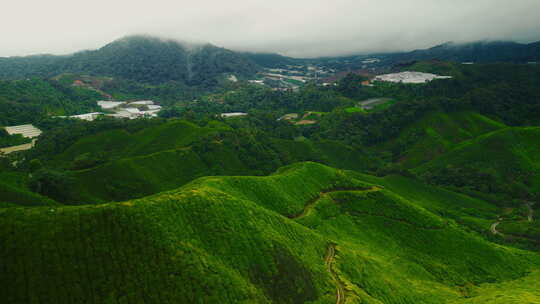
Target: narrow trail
{"x":493,"y":228}
{"x":328,"y":261}
{"x":309,"y":206}
{"x":530,"y":218}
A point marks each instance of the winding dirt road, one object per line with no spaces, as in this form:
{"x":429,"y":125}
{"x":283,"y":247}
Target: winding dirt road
{"x":328,"y":261}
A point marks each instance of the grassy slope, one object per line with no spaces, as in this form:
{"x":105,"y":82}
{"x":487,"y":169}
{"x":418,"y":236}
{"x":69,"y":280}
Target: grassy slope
{"x":502,"y":162}
{"x":134,"y":177}
{"x":119,"y":143}
{"x":437,"y":133}
{"x":161,"y":158}
{"x":227,"y":237}
{"x":14,"y":191}
{"x":471,"y":212}
{"x":524,"y":290}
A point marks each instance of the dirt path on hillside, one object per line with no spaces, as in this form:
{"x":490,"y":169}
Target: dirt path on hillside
{"x":328,"y":261}
{"x":311,"y":204}
{"x":530,"y":218}
{"x":493,"y":228}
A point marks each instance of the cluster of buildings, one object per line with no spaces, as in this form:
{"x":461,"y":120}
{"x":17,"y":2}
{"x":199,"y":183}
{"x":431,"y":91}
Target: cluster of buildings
{"x":292,"y":76}
{"x":28,"y":131}
{"x":130,"y":110}
{"x":121,"y":109}
{"x":409,"y":77}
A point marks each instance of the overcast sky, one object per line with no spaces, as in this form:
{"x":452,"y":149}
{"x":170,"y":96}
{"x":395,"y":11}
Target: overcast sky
{"x":300,"y":28}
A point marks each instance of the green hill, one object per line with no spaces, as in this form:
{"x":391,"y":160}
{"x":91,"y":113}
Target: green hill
{"x":435,"y":134}
{"x":118,"y":142}
{"x":137,"y":176}
{"x":504,"y":163}
{"x":116,"y":165}
{"x":302,"y":235}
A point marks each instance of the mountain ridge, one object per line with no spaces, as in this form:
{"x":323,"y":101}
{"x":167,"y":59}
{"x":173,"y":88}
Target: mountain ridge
{"x":140,"y":58}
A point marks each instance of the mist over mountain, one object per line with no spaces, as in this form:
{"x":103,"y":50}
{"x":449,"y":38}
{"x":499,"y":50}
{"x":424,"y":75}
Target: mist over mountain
{"x":140,"y":58}
{"x":480,"y":51}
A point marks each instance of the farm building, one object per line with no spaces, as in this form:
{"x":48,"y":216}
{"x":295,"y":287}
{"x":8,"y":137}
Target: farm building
{"x":88,"y":116}
{"x":108,"y":105}
{"x":234,"y":114}
{"x":154,"y":107}
{"x":409,"y":77}
{"x":28,"y":131}
{"x":289,"y":116}
{"x":142,"y":102}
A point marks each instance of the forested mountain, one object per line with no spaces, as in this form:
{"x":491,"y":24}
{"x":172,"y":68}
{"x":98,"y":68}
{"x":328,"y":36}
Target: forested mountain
{"x":139,"y":58}
{"x":272,"y":60}
{"x":478,"y":52}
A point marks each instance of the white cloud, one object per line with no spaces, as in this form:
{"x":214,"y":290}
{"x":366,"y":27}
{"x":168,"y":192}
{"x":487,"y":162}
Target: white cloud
{"x":293,"y":27}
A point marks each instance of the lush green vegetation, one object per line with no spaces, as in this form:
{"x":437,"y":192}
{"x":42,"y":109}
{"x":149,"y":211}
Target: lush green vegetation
{"x":33,"y":100}
{"x":503,"y":163}
{"x":14,"y":190}
{"x":434,"y":134}
{"x":110,"y":161}
{"x":228,"y":238}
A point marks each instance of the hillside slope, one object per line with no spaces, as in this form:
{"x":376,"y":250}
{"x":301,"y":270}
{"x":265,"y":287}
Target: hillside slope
{"x":305,"y":234}
{"x":436,"y":133}
{"x":504,"y":162}
{"x":14,"y":191}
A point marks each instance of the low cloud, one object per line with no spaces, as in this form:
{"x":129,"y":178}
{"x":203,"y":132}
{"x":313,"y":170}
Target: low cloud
{"x":300,"y":28}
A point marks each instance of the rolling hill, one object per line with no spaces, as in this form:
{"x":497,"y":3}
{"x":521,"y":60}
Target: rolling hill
{"x":436,"y":133}
{"x":308,"y":233}
{"x":116,"y":165}
{"x":503,"y":163}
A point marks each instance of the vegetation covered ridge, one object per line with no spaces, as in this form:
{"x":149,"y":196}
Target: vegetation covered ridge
{"x":228,"y":240}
